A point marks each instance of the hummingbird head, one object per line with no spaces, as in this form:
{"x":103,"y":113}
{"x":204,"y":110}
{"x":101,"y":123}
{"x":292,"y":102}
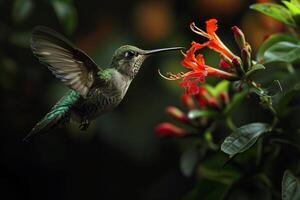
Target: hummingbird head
{"x":128,"y":59}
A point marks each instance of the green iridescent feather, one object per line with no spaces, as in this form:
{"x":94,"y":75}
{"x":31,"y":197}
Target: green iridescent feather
{"x":58,"y":115}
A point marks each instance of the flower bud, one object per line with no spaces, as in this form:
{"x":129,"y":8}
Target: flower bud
{"x":246,"y":58}
{"x":239,"y":37}
{"x":177,"y":114}
{"x":238,"y":66}
{"x":212,"y":102}
{"x":169,"y":130}
{"x":188,"y":101}
{"x":224,"y":98}
{"x":203,"y":97}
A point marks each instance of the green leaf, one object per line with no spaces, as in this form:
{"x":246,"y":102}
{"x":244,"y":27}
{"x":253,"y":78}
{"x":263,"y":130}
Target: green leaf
{"x":282,"y":52}
{"x":222,"y":86}
{"x":21,"y":10}
{"x":243,"y":138}
{"x":296,"y":3}
{"x":208,"y":190}
{"x":195,"y":114}
{"x":66,"y":13}
{"x":290,"y":186}
{"x":272,"y":40}
{"x":255,"y":68}
{"x":293,"y":8}
{"x":275,"y":11}
{"x":226,"y":177}
{"x":236,"y":99}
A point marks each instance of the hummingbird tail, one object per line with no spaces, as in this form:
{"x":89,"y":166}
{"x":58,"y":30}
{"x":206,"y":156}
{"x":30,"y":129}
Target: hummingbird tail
{"x":59,"y":115}
{"x":44,"y":125}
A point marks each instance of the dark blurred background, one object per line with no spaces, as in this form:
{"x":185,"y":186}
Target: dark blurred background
{"x":119,"y":156}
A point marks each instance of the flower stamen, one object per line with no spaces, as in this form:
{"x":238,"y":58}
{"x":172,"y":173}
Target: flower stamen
{"x":172,"y":77}
{"x":197,"y":30}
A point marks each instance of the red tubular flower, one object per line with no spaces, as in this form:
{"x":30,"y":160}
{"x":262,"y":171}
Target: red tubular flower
{"x":169,"y":130}
{"x":196,"y":64}
{"x":177,"y":114}
{"x":199,"y":69}
{"x":214,"y":41}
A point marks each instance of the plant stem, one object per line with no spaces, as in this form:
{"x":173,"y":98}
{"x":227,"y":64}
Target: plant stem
{"x":268,"y":101}
{"x":230,"y":123}
{"x":259,"y":152}
{"x":290,"y":68}
{"x":274,"y":122}
{"x":282,"y":141}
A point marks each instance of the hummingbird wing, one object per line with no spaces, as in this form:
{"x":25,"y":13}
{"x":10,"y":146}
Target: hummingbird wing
{"x":64,"y":59}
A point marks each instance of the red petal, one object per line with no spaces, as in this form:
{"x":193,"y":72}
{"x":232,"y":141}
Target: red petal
{"x":193,"y":89}
{"x":200,"y":59}
{"x":223,"y":64}
{"x":191,"y":81}
{"x":211,"y":26}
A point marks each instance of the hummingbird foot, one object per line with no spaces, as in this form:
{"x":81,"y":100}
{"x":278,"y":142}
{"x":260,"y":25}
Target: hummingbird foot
{"x":84,"y":124}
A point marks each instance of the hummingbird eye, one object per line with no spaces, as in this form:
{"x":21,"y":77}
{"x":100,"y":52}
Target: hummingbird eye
{"x":129,"y":54}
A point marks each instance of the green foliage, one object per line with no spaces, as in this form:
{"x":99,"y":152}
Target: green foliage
{"x":209,"y":190}
{"x":289,"y":15}
{"x":270,"y":42}
{"x":290,"y":186}
{"x":236,"y":100}
{"x":243,"y":138}
{"x":293,"y":6}
{"x":255,"y":68}
{"x":282,"y":51}
{"x":22,"y":9}
{"x":279,"y":48}
{"x":276,"y":11}
{"x":21,"y":39}
{"x":222,"y":86}
{"x":66,"y":14}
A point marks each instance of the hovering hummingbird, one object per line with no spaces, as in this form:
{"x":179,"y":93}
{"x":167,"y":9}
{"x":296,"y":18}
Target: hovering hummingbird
{"x":93,"y":90}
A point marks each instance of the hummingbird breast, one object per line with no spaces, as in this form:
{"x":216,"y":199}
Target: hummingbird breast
{"x":94,"y":105}
{"x":101,"y":99}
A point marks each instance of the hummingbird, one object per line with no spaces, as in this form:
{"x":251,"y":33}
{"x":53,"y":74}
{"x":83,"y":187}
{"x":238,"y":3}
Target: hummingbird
{"x":93,"y":90}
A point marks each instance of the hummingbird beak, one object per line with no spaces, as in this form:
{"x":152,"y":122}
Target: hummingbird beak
{"x":149,"y":52}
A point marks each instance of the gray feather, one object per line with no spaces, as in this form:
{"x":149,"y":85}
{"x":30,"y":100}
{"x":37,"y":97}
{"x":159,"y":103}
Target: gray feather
{"x":67,"y":63}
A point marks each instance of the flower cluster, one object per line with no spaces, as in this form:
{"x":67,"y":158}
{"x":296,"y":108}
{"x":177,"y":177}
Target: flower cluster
{"x":231,"y":65}
{"x":203,"y":101}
